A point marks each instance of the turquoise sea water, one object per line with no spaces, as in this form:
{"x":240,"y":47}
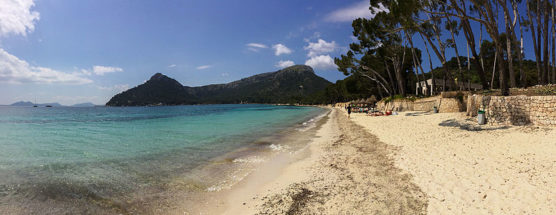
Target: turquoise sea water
{"x":56,"y":155}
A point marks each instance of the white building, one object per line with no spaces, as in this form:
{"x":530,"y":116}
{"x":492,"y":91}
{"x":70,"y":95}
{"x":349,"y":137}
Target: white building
{"x":439,"y":84}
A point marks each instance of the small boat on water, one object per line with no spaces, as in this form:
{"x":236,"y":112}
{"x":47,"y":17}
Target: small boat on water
{"x":48,"y":106}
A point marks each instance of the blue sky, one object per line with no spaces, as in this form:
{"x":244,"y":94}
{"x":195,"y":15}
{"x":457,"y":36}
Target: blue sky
{"x":86,"y":51}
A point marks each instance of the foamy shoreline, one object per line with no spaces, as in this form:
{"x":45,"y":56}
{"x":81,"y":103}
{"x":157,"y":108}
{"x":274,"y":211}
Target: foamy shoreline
{"x":250,"y":162}
{"x":418,"y":163}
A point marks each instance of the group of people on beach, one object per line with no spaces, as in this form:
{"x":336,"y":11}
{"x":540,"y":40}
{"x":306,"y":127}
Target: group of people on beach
{"x":369,"y":112}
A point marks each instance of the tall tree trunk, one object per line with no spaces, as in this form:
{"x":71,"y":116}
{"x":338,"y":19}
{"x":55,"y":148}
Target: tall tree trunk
{"x":379,"y":90}
{"x":491,"y":24}
{"x":481,"y":43}
{"x":417,"y":61}
{"x":433,"y":81}
{"x":419,"y":87}
{"x":539,"y":47}
{"x":493,"y":71}
{"x":380,"y":80}
{"x":522,"y":76}
{"x":416,"y":69}
{"x":470,"y":37}
{"x":503,"y":79}
{"x":441,"y":57}
{"x":460,"y":71}
{"x":535,"y":42}
{"x":394,"y":87}
{"x":398,"y":70}
{"x":444,"y":81}
{"x":440,"y":53}
{"x":518,"y":20}
{"x":553,"y":42}
{"x":509,"y":33}
{"x":468,"y":68}
{"x":545,"y":42}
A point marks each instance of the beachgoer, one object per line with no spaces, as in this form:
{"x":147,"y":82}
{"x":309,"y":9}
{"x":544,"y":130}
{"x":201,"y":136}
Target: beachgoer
{"x":349,"y":111}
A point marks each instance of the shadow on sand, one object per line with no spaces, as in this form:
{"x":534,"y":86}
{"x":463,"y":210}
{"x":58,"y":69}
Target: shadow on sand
{"x":419,"y":113}
{"x":469,"y":126}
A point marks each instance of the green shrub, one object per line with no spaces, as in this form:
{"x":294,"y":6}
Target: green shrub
{"x":399,"y":98}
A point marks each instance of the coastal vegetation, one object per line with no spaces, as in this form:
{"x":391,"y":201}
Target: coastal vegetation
{"x":385,"y":59}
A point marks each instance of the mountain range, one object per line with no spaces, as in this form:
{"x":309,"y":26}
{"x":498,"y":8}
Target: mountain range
{"x":287,"y":86}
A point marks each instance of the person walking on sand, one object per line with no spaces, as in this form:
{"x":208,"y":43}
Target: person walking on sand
{"x":349,"y":111}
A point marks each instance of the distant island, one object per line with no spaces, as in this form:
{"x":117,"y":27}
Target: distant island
{"x":287,"y":86}
{"x":54,"y":104}
{"x":24,"y":104}
{"x":86,"y":104}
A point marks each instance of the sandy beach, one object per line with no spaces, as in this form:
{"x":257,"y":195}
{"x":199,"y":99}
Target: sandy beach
{"x":468,"y":169}
{"x":345,"y":170}
{"x":412,"y":163}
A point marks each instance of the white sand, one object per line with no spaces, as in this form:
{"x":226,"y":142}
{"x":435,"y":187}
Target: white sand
{"x":500,"y":171}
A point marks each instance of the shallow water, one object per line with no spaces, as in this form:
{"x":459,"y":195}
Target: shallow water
{"x":112,"y":159}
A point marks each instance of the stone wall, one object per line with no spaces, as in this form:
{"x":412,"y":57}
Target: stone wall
{"x":515,"y":110}
{"x":426,"y":104}
{"x":396,"y":105}
{"x":474,"y":104}
{"x":450,"y":105}
{"x":444,"y":105}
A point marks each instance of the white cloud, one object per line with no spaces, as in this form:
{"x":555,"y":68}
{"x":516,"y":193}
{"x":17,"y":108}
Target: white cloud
{"x":315,"y":35}
{"x":203,"y":67}
{"x":117,"y":87}
{"x":320,"y":47}
{"x":284,"y":64}
{"x":225,"y":74}
{"x":256,"y":46}
{"x":101,"y":70}
{"x":172,"y":66}
{"x":323,"y":62}
{"x":16,"y":17}
{"x":280,"y":49}
{"x":86,"y":72}
{"x":15,"y":70}
{"x":348,"y":14}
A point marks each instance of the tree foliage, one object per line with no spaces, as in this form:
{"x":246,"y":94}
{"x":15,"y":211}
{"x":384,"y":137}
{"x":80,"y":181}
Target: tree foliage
{"x":385,"y":53}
